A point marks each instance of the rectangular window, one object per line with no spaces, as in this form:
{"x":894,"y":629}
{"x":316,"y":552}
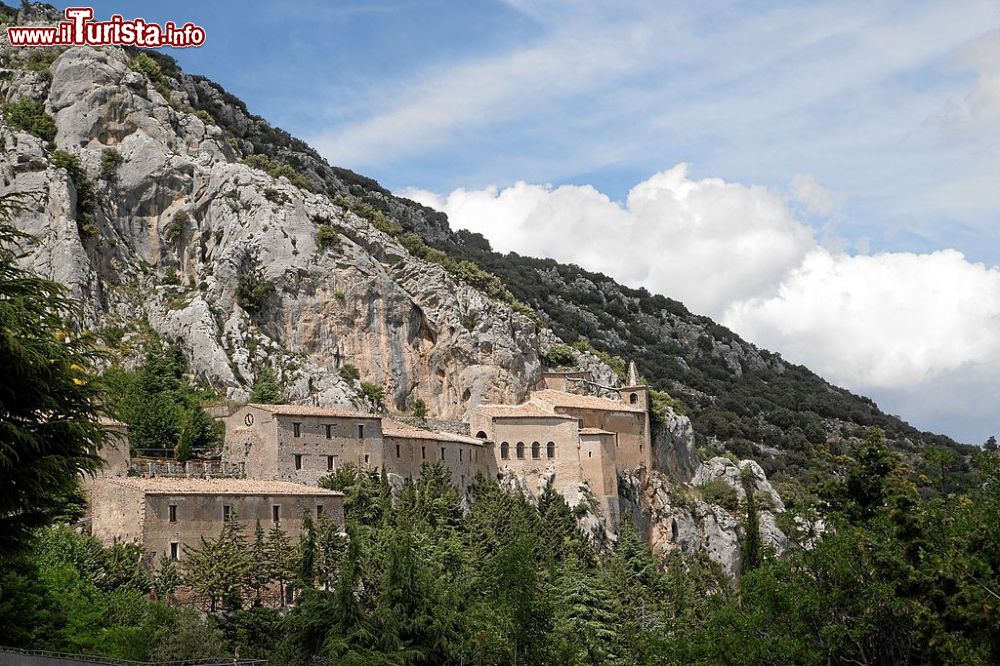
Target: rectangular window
{"x":296,"y":429}
{"x":329,"y":463}
{"x":172,"y":513}
{"x":366,"y":458}
{"x":175,"y":551}
{"x":276,"y":513}
{"x":423,"y":453}
{"x":298,"y":461}
{"x":227,"y":513}
{"x":319,"y":510}
{"x":460,"y":452}
{"x":361,"y":431}
{"x":442,"y":453}
{"x":397,"y":450}
{"x":329,"y":431}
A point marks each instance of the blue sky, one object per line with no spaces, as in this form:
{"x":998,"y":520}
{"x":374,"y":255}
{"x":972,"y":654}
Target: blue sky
{"x":859,"y":140}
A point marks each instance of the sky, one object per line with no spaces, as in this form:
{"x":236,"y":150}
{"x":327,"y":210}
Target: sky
{"x":823,"y":178}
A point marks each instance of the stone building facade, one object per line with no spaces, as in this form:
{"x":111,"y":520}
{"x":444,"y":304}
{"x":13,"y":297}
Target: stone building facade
{"x":170,"y":516}
{"x":407,"y":448}
{"x":300,"y":443}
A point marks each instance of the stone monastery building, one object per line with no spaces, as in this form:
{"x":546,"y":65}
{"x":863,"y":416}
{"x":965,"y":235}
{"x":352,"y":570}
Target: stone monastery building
{"x":577,"y":442}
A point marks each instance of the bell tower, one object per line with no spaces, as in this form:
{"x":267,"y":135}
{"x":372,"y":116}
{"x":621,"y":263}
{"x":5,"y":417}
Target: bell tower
{"x":634,"y":392}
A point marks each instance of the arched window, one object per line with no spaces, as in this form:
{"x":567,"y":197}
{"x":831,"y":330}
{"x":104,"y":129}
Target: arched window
{"x":520,"y":450}
{"x":504,"y":450}
{"x":481,"y":435}
{"x":550,"y":450}
{"x":633,"y":398}
{"x":536,"y":450}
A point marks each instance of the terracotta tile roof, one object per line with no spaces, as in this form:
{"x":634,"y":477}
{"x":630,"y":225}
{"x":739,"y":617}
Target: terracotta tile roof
{"x":594,"y":431}
{"x":313,"y":410}
{"x":171,"y":486}
{"x":572,"y":400}
{"x":401,"y":430}
{"x":525,"y":410}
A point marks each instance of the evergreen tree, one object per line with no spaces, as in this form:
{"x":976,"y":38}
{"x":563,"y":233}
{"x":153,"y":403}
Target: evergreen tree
{"x":752,"y":550}
{"x":49,"y":397}
{"x":259,"y":571}
{"x":217,"y":569}
{"x":284,"y":559}
{"x":167,"y":579}
{"x":266,"y":388}
{"x":584,"y":620}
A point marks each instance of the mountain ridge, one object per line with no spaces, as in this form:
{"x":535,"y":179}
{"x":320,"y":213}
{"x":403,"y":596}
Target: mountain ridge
{"x":742,"y":399}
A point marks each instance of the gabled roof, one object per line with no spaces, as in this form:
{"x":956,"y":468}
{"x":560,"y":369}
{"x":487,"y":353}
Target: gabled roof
{"x":170,"y":486}
{"x":313,"y":410}
{"x":401,"y":430}
{"x":572,"y":400}
{"x":525,"y":410}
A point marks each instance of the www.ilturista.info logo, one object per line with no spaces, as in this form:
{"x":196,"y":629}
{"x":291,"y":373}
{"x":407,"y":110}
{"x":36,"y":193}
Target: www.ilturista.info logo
{"x":80,"y":30}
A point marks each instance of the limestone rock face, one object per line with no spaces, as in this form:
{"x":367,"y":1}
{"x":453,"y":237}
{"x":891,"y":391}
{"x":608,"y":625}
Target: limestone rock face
{"x":674,"y":517}
{"x":729,"y":472}
{"x":174,"y":230}
{"x":674,"y":450}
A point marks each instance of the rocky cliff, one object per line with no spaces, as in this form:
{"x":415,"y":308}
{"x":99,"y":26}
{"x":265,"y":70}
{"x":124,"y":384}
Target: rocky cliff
{"x":175,"y":233}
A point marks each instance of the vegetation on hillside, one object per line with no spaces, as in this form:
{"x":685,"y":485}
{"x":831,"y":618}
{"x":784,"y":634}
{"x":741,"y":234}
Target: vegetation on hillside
{"x":162,"y":408}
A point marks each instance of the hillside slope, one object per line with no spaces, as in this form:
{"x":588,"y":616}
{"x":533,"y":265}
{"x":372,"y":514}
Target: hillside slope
{"x":209,"y":230}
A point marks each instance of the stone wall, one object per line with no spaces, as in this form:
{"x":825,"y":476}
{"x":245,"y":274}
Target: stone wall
{"x":252,"y":443}
{"x":634,"y":447}
{"x":597,"y":462}
{"x":351,"y":440}
{"x":405,"y":455}
{"x":563,"y":468}
{"x":115,"y":511}
{"x":202,"y":516}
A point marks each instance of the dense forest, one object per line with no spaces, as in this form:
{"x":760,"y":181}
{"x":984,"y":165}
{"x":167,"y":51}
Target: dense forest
{"x":421,"y":579}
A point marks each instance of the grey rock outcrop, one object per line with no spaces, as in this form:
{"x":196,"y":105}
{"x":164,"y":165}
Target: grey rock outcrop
{"x":674,"y":517}
{"x":674,"y":449}
{"x":173,"y":231}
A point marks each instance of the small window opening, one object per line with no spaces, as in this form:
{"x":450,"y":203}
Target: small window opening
{"x":296,"y":429}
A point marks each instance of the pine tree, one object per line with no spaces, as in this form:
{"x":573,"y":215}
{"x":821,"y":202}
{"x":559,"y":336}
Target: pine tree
{"x":585,"y":621}
{"x":167,"y":578}
{"x":331,"y":545}
{"x":308,"y":552}
{"x":284,"y":559}
{"x":217,"y":569}
{"x":260,"y":568}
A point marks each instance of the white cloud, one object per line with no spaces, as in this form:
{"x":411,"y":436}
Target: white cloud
{"x":888,"y":320}
{"x":920,"y":331}
{"x":705,"y":241}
